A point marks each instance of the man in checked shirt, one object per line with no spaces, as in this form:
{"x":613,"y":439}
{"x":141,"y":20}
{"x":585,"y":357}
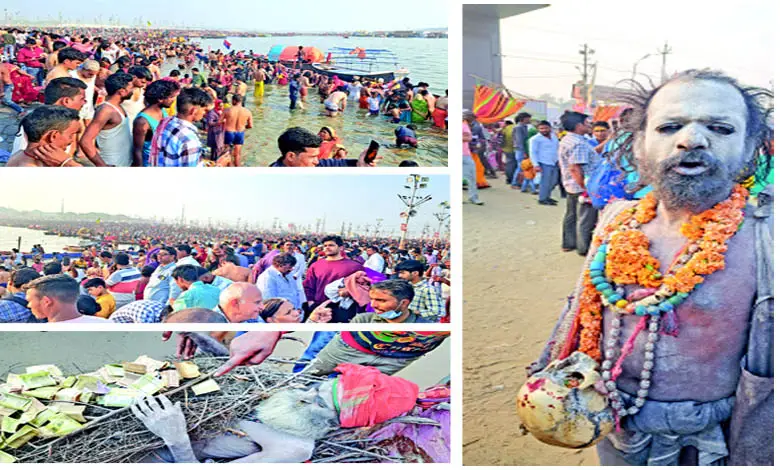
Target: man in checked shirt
{"x":175,"y":142}
{"x":576,"y":159}
{"x":13,"y":306}
{"x":427,"y":302}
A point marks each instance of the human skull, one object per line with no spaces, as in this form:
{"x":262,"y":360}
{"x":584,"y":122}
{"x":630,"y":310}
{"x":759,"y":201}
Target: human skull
{"x":560,"y":405}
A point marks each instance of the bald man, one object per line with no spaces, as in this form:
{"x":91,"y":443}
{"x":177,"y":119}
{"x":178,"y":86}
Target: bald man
{"x":241,"y":302}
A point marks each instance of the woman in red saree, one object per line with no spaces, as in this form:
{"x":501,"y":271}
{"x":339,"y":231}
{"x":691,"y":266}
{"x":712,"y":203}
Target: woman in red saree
{"x":24,"y":91}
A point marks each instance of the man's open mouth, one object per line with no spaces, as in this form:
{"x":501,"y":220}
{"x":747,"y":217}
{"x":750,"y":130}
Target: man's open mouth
{"x":690,"y":168}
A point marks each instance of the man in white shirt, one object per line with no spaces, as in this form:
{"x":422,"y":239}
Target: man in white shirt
{"x":159,"y":286}
{"x":354,"y":90}
{"x":53,"y":298}
{"x":277,"y":282}
{"x":375,"y":260}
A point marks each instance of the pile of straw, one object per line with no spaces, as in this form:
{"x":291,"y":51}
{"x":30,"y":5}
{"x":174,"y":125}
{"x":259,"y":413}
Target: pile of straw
{"x":116,"y":436}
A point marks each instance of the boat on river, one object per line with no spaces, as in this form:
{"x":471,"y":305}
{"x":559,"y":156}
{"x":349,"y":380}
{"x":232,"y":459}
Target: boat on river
{"x":373,"y":64}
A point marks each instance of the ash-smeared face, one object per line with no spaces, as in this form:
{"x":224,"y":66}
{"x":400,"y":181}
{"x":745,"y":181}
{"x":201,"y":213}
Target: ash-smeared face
{"x":694,"y":144}
{"x":305,"y":413}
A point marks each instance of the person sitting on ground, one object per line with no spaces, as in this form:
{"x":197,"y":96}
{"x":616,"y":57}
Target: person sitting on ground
{"x":406,"y":136}
{"x":53,"y":298}
{"x":285,"y":427}
{"x":97,"y":289}
{"x":301,"y":148}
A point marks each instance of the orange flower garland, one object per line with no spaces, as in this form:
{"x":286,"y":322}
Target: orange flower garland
{"x":590,"y":320}
{"x":629,"y":261}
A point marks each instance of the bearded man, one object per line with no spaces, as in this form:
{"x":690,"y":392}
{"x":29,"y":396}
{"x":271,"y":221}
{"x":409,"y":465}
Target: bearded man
{"x":676,"y":299}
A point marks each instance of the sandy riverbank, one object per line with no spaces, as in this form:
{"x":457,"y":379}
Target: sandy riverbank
{"x":515,"y":281}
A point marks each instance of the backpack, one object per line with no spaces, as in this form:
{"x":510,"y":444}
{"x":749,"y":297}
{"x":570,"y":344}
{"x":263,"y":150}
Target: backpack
{"x":606,"y":182}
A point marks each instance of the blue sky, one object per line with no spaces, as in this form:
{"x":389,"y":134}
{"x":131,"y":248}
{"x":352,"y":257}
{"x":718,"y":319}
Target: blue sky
{"x":281,"y":15}
{"x":226,"y":194}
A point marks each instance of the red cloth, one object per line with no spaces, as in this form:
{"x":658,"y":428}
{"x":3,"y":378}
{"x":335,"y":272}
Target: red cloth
{"x":439,"y":117}
{"x":368,"y":397}
{"x":24,"y":91}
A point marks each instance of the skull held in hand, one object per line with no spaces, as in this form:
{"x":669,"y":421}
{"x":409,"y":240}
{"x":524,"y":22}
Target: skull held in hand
{"x":560,"y":405}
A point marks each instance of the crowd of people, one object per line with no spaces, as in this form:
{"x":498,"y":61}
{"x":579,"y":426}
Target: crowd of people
{"x":106,"y":102}
{"x":279,"y":279}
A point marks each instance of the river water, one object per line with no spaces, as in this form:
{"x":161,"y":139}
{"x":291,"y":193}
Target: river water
{"x":50,"y":243}
{"x":426,"y":60}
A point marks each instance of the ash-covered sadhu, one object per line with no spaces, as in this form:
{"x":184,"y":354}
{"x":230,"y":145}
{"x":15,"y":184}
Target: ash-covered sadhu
{"x":671,"y":322}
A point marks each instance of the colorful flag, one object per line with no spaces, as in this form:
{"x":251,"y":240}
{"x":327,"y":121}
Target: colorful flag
{"x":226,"y":43}
{"x":148,"y":23}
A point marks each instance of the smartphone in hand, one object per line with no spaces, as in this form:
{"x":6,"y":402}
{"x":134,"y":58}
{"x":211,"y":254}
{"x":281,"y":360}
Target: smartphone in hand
{"x":372,"y":152}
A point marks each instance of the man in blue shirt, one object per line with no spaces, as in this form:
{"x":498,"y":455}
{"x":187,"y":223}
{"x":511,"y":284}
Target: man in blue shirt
{"x":13,"y":307}
{"x":247,"y":251}
{"x":543,"y":149}
{"x":259,"y":249}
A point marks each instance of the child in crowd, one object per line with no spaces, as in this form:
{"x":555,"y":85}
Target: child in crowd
{"x":529,"y":177}
{"x":97,"y":289}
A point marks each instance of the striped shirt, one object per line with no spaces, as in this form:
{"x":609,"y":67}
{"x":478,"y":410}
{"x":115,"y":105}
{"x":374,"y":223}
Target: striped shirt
{"x":122,"y":285}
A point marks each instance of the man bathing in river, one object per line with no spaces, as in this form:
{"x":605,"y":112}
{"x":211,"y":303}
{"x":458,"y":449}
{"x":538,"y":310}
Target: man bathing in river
{"x":236,"y":120}
{"x":703,"y":330}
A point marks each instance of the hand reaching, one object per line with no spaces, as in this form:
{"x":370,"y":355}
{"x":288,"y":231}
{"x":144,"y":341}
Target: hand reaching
{"x":185,"y":346}
{"x":250,"y":348}
{"x":321,"y":314}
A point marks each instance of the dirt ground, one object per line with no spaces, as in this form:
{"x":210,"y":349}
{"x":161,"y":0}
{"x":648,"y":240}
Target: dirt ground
{"x":515,"y":281}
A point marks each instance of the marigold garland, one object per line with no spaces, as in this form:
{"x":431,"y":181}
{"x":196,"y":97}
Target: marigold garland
{"x":629,"y":262}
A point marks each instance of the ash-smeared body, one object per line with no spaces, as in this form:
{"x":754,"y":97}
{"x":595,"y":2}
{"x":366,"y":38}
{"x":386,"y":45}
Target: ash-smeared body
{"x":703,"y":362}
